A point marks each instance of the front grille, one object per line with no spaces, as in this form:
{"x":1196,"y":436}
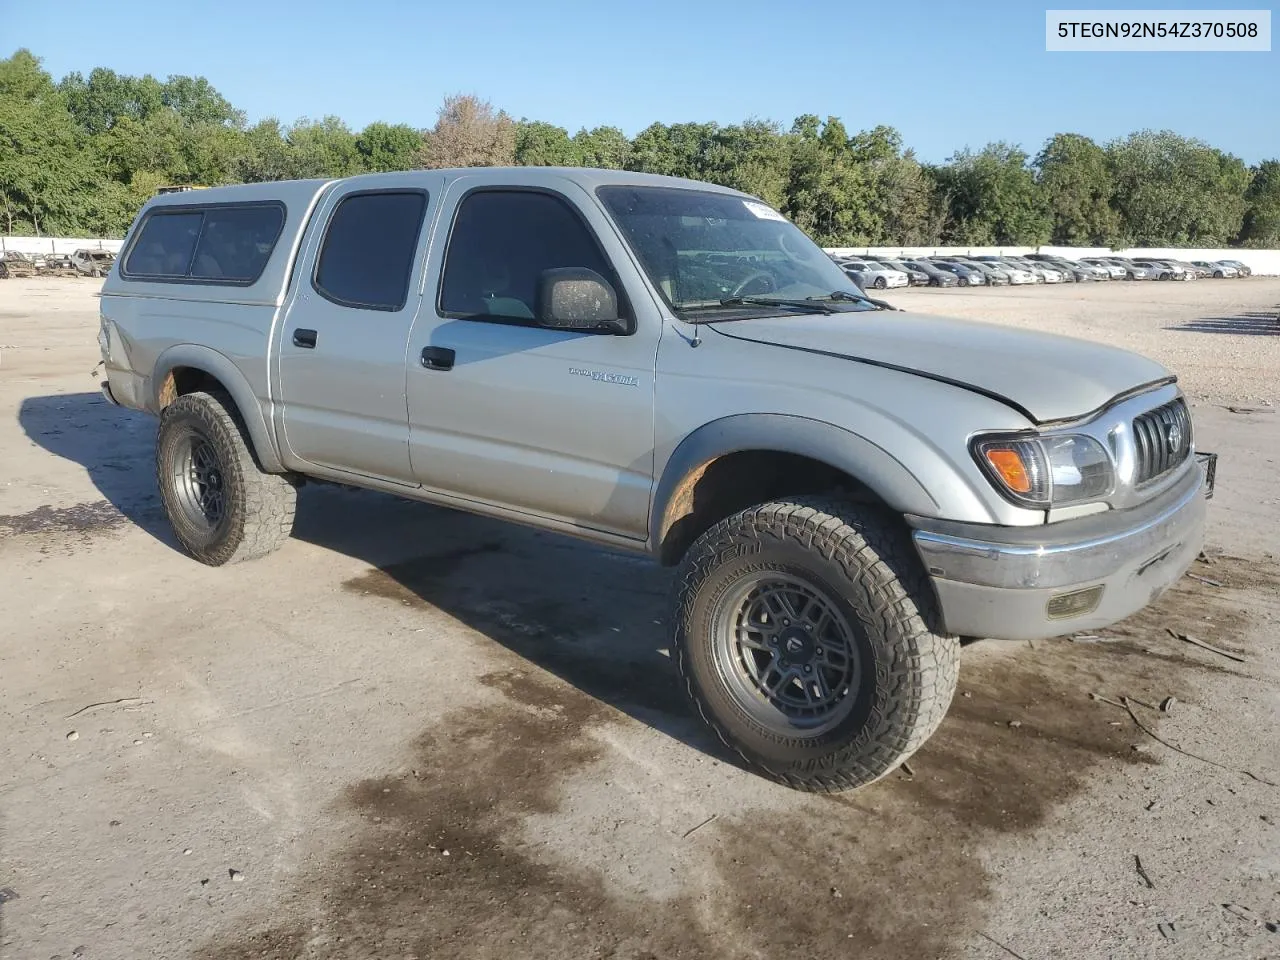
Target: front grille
{"x":1162,"y":440}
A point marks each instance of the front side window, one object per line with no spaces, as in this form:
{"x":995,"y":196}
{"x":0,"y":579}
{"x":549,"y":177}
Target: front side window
{"x":366,"y":259}
{"x":501,"y":244}
{"x":223,"y":243}
{"x":701,"y":248}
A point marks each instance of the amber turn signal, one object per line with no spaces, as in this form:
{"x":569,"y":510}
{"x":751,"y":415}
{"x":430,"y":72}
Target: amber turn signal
{"x":1008,"y":465}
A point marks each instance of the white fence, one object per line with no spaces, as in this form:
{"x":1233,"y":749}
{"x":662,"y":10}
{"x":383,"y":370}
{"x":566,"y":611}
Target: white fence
{"x":57,"y":244}
{"x":1262,"y":262}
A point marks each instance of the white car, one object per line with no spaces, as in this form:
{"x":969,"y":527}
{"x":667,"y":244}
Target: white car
{"x":870,"y":273}
{"x":1045,"y":272}
{"x":1218,"y":269}
{"x":1116,"y":271}
{"x":1018,"y":274}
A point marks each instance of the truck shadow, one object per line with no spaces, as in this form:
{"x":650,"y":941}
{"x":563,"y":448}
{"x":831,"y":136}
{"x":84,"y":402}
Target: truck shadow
{"x":112,"y":444}
{"x":594,"y":618}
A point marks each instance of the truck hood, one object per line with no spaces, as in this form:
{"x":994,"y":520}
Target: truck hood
{"x":1044,"y":376}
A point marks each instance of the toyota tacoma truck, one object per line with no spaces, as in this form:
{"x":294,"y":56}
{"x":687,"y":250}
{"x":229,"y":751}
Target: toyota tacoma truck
{"x":673,"y":368}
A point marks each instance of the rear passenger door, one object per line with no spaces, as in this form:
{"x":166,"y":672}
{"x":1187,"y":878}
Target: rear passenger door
{"x":342,"y":343}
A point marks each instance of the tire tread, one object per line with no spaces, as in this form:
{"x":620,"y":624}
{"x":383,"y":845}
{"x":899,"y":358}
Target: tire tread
{"x":265,"y":518}
{"x":873,"y":551}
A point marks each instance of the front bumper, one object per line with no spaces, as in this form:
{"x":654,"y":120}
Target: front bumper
{"x":1030,"y":583}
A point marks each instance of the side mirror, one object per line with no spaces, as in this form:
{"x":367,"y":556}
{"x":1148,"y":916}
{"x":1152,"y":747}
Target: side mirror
{"x":575,"y":298}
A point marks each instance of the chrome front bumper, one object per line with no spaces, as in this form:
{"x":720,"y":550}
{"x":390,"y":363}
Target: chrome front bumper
{"x":1026,"y":583}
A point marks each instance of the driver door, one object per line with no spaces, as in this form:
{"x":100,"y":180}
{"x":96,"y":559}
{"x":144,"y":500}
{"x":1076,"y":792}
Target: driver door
{"x":553,"y":423}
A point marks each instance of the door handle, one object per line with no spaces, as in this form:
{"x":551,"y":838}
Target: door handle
{"x":304,"y":338}
{"x":437,"y":358}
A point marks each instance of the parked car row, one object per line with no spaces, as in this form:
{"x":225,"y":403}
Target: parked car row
{"x":952,"y":270}
{"x":83,"y":262}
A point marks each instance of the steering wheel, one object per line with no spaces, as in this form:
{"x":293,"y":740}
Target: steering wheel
{"x":756,"y":276}
{"x":788,"y":246}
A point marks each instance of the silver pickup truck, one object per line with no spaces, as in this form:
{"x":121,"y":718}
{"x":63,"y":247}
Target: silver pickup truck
{"x":672,"y":368}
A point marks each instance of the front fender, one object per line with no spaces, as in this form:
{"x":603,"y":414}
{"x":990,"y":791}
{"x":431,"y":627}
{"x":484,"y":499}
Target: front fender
{"x":219,"y":366}
{"x":846,"y":451}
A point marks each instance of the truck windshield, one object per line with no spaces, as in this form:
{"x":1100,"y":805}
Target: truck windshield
{"x":712,"y":253}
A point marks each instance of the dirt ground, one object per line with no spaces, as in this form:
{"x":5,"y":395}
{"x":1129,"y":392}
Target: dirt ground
{"x":416,"y":733}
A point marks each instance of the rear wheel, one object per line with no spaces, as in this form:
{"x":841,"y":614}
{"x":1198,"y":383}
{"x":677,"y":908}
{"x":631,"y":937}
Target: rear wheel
{"x":223,"y":507}
{"x":807,"y":637}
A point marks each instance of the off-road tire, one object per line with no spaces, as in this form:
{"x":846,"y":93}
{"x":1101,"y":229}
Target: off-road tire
{"x":259,"y":506}
{"x":863,"y":559}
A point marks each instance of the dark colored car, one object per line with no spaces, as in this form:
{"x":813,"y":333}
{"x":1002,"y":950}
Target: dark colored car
{"x":994,"y":273}
{"x":917,"y":276}
{"x":967,"y":276}
{"x":937,"y":278}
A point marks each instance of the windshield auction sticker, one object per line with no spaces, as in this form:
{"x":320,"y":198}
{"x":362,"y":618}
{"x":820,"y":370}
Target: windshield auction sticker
{"x":1187,"y":31}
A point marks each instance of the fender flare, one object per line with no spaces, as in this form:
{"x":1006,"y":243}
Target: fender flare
{"x":839,"y":448}
{"x":219,"y":366}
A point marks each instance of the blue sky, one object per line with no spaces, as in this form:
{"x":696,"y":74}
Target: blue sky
{"x":946,"y":74}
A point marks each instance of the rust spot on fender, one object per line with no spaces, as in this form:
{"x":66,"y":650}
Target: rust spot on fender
{"x":168,"y":390}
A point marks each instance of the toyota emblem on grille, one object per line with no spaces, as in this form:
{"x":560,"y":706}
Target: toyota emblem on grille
{"x":1175,"y":436}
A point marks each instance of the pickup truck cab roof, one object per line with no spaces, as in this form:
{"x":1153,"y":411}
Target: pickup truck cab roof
{"x":297,"y":199}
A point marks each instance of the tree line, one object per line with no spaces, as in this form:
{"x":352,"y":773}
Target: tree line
{"x":79,"y":156}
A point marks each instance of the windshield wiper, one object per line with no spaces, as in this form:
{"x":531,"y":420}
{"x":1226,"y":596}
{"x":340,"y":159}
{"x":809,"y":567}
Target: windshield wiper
{"x":858,"y":298}
{"x":809,"y":306}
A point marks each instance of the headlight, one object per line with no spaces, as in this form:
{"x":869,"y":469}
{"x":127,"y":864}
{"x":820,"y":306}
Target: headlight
{"x":1048,"y":471}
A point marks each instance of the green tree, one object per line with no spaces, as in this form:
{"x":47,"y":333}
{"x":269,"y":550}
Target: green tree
{"x":322,"y":148}
{"x":196,"y":101}
{"x":264,"y":153}
{"x":106,"y":97}
{"x":753,"y":157}
{"x":46,"y":174}
{"x":898,"y":196}
{"x":153,"y":144}
{"x":388,"y":146}
{"x":540,"y":144}
{"x":678,"y":150}
{"x":994,"y":198}
{"x":1262,"y":211}
{"x":1075,"y":180}
{"x":1174,"y":190}
{"x":604,"y":147}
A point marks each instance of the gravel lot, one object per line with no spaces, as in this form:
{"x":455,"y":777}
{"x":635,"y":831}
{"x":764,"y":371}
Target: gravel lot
{"x":414,"y":733}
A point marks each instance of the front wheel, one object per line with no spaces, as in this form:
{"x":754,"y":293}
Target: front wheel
{"x":964,"y":282}
{"x":223,"y":507}
{"x":808,"y":638}
{"x":881,"y":283}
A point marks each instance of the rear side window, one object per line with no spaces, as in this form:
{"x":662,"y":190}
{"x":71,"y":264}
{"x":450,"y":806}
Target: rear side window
{"x":236,"y":243}
{"x":227,"y":244}
{"x":502,"y":242}
{"x":165,"y":245}
{"x":367,"y":256}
